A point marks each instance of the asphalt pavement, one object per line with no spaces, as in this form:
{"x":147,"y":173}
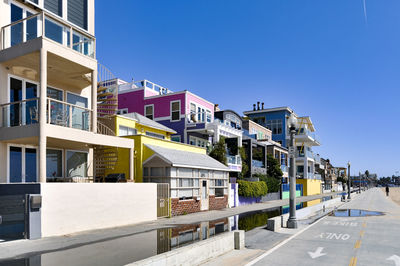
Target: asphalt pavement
{"x":369,"y":240}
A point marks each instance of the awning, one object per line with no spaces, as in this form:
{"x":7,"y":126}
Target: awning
{"x":187,"y":159}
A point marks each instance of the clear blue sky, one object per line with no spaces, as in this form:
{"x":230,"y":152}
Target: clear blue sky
{"x":320,"y":57}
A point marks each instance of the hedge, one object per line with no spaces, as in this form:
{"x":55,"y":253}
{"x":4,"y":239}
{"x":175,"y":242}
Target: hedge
{"x":252,"y":189}
{"x":273,"y":184}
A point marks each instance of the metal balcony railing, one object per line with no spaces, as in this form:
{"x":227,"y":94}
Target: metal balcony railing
{"x":59,"y":113}
{"x":50,"y":27}
{"x":200,"y":117}
{"x":308,"y":133}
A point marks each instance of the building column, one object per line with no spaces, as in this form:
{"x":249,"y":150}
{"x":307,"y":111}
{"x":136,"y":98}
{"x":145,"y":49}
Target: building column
{"x":42,"y":116}
{"x":131,"y":161}
{"x":305,"y":170}
{"x":94,"y":101}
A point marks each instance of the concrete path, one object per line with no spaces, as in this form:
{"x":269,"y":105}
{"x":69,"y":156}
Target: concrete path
{"x":372,"y":240}
{"x":21,"y":248}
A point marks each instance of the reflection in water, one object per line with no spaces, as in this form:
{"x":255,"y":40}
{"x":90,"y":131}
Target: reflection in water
{"x":124,"y":250}
{"x":249,"y":221}
{"x":355,"y":213}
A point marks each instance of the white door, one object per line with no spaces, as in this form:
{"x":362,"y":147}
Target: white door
{"x":204,"y":195}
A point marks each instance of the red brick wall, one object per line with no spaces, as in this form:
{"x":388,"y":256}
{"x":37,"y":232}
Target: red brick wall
{"x":180,"y":207}
{"x":218,"y":203}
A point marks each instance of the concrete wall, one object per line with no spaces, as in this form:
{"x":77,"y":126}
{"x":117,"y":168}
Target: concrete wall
{"x":271,"y":196}
{"x":73,"y":207}
{"x":196,"y":253}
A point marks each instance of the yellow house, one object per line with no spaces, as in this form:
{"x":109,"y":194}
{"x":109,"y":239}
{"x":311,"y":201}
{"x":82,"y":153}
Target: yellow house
{"x":310,"y":187}
{"x":143,"y":131}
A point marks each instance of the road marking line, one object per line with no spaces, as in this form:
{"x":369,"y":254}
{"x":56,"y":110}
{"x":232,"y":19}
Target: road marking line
{"x":362,"y":232}
{"x":358,"y":244}
{"x":353,"y":261}
{"x":282,"y":243}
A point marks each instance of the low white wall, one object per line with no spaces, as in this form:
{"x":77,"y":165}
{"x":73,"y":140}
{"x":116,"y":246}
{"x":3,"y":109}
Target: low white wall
{"x":73,"y":207}
{"x":195,"y":253}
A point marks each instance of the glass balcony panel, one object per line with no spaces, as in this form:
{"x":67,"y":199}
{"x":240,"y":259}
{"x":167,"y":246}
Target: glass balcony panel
{"x":31,"y":28}
{"x":53,"y":31}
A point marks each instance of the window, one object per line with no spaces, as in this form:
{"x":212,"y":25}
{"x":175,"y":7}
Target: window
{"x":126,"y":131}
{"x":175,"y":111}
{"x":197,"y":142}
{"x":25,"y":113}
{"x":54,"y":163}
{"x":219,"y":192}
{"x":157,"y":171}
{"x":149,"y":111}
{"x":219,"y":182}
{"x":22,"y":164}
{"x":54,"y":6}
{"x":176,"y":138}
{"x":193,"y":112}
{"x":275,"y":126}
{"x":80,"y":116}
{"x":155,"y":135}
{"x":259,"y":120}
{"x":77,"y":164}
{"x":122,"y":111}
{"x":208,"y":116}
{"x":77,"y":13}
{"x":185,"y":182}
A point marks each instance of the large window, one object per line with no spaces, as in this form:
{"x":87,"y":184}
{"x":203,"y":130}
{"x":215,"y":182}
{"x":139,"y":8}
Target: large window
{"x":54,"y":163}
{"x":77,"y":164}
{"x":175,"y":111}
{"x":22,"y":164}
{"x":54,"y":6}
{"x":149,"y":111}
{"x":197,"y":142}
{"x":275,"y":126}
{"x":80,"y":116}
{"x":126,"y":131}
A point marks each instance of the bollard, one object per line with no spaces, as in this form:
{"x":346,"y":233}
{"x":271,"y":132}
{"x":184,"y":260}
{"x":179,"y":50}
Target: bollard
{"x":239,"y":239}
{"x":324,"y":208}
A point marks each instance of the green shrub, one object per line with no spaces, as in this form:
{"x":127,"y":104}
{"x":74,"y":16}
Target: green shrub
{"x":252,"y":189}
{"x":273,"y":184}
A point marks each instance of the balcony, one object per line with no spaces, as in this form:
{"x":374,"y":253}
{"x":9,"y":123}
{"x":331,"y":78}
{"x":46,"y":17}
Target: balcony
{"x":51,"y":28}
{"x":305,"y":154}
{"x":234,"y":162}
{"x":284,"y":168}
{"x":306,"y":136}
{"x":58,"y":113}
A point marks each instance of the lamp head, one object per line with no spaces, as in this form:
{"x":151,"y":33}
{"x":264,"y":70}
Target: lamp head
{"x":292,"y":122}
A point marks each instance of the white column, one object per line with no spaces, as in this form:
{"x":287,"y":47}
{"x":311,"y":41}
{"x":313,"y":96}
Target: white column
{"x":42,"y":115}
{"x":305,"y":167}
{"x":131,"y":161}
{"x":94,"y":101}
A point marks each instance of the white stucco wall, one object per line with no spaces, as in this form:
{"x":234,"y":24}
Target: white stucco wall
{"x":73,"y":207}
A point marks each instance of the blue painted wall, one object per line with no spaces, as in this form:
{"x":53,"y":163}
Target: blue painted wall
{"x":273,"y":116}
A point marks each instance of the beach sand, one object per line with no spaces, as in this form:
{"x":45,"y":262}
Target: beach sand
{"x":394,"y":194}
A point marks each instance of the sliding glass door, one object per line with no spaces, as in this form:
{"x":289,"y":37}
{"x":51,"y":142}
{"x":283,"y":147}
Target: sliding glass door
{"x":22,"y":164}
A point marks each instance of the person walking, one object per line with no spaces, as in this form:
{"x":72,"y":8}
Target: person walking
{"x":387,"y":190}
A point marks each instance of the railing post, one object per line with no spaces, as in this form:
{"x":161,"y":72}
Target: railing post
{"x":70,"y":37}
{"x":43,"y":25}
{"x":70,"y":116}
{"x":42,"y":116}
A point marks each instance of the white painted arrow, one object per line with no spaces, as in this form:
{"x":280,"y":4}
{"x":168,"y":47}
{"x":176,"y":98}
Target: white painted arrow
{"x":396,"y":259}
{"x":317,"y":253}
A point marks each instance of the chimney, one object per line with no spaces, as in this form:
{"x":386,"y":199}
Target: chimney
{"x":216,"y":107}
{"x":258,"y":105}
{"x":254,"y":107}
{"x":262,"y":106}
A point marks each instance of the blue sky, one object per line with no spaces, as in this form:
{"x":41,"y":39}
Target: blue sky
{"x":320,"y":57}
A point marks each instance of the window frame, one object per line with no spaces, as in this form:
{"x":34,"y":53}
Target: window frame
{"x":152,"y":109}
{"x":172,"y":111}
{"x":66,"y":163}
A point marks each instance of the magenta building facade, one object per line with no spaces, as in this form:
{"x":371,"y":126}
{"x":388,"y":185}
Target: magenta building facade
{"x":183,"y":111}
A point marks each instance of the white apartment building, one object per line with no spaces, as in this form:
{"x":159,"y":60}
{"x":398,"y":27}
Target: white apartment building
{"x":48,"y":94}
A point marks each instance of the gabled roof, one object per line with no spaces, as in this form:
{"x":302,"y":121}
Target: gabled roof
{"x":187,"y":159}
{"x":140,"y":119}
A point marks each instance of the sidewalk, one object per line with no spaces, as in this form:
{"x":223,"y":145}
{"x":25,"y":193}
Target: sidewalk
{"x":18,"y":248}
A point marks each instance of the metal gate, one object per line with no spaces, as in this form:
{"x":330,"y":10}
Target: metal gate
{"x":13,"y":217}
{"x":163,"y":200}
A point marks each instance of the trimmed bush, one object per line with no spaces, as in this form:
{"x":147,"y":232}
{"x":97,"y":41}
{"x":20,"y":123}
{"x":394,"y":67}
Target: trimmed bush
{"x":252,"y":189}
{"x":273,"y":184}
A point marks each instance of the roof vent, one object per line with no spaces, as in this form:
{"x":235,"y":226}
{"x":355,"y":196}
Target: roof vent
{"x":254,"y":107}
{"x":258,"y":105}
{"x":262,"y":106}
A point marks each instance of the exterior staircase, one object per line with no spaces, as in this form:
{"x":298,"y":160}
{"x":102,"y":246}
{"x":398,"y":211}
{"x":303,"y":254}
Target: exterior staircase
{"x":107,"y":92}
{"x":105,"y":157}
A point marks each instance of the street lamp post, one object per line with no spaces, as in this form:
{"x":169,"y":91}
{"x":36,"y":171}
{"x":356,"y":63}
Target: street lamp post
{"x":348,"y":180}
{"x":359,"y":187}
{"x":292,"y":222}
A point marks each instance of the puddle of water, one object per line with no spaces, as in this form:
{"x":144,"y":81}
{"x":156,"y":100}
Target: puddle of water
{"x":249,"y":221}
{"x":355,"y":213}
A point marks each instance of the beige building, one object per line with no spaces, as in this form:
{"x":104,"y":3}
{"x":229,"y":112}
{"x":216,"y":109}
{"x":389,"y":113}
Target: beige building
{"x":48,"y":94}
